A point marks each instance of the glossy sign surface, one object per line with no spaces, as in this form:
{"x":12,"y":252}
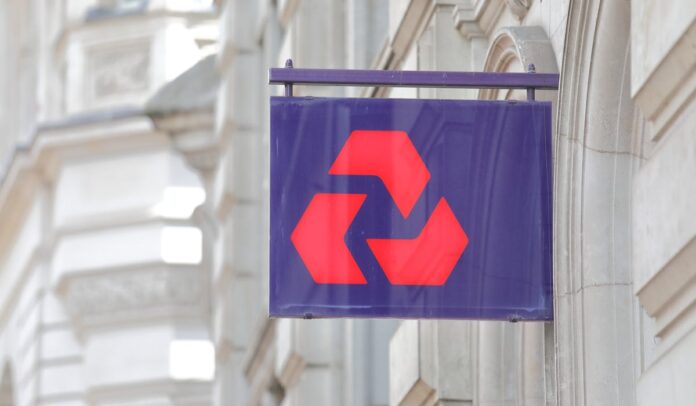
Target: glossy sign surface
{"x":410,"y":209}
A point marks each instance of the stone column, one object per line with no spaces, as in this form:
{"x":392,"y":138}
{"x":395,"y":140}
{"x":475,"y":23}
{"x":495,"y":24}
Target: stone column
{"x":242,"y":329}
{"x":594,"y":157}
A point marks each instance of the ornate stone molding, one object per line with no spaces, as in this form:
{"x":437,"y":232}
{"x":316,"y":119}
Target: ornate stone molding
{"x":519,"y":7}
{"x":34,"y":167}
{"x":476,"y":18}
{"x":115,"y":72}
{"x":527,"y":45}
{"x":663,"y":66}
{"x":184,"y":109}
{"x":134,"y":294}
{"x":664,"y":233}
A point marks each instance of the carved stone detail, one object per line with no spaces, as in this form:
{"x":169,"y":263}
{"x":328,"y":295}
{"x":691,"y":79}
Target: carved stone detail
{"x":476,"y":18}
{"x":138,"y":292}
{"x":519,"y":7}
{"x":119,"y":71}
{"x":528,"y":45}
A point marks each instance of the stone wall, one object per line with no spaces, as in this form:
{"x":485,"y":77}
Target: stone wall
{"x":618,"y":104}
{"x":134,"y":204}
{"x":104,"y":269}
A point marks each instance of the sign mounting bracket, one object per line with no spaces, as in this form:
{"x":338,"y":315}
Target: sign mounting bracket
{"x":530,"y":80}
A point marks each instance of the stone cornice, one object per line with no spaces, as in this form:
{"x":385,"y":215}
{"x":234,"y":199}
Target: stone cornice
{"x":527,"y":44}
{"x":112,"y":297}
{"x":670,"y":85}
{"x":56,"y":141}
{"x":80,"y":28}
{"x":33,"y":168}
{"x":476,"y":18}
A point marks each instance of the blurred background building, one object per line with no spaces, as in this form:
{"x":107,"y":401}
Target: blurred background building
{"x":134,"y":138}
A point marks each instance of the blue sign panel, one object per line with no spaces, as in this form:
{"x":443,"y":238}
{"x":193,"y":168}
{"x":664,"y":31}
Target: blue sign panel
{"x":410,"y":208}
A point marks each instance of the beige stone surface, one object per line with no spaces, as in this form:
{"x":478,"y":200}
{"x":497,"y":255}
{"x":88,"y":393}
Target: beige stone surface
{"x":126,"y":226}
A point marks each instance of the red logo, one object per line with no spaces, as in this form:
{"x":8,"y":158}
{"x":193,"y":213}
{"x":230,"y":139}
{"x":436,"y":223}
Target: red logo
{"x":427,"y":259}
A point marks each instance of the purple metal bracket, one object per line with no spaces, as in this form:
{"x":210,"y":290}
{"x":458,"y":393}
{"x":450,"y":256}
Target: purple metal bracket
{"x":530,"y":80}
{"x":288,"y":86}
{"x":530,"y":90}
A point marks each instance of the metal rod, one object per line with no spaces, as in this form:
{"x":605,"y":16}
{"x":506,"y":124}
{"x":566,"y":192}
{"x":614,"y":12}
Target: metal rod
{"x":477,"y":80}
{"x":530,"y":90}
{"x":288,"y":85}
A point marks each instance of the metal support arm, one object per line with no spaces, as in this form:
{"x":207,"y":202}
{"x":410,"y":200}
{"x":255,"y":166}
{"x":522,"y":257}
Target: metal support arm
{"x":530,"y":80}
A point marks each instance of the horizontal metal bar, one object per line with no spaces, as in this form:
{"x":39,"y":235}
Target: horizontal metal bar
{"x":355,"y":77}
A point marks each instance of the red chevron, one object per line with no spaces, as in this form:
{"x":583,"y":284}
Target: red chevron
{"x":427,"y":259}
{"x":319,"y":235}
{"x":389,"y":155}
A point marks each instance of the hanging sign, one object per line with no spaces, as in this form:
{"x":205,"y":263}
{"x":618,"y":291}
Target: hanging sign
{"x":410,"y":208}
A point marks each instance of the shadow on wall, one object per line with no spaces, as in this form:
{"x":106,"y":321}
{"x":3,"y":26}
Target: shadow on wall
{"x":6,"y":385}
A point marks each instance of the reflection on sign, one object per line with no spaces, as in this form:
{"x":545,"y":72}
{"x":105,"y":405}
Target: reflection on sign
{"x":410,"y":208}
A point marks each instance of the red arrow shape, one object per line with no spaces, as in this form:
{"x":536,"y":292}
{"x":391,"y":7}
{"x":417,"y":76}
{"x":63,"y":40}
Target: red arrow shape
{"x":319,"y":238}
{"x":389,"y":155}
{"x":427,"y":259}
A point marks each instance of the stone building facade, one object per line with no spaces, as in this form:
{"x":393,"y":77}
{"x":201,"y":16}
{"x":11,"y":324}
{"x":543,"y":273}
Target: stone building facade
{"x":134,"y":204}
